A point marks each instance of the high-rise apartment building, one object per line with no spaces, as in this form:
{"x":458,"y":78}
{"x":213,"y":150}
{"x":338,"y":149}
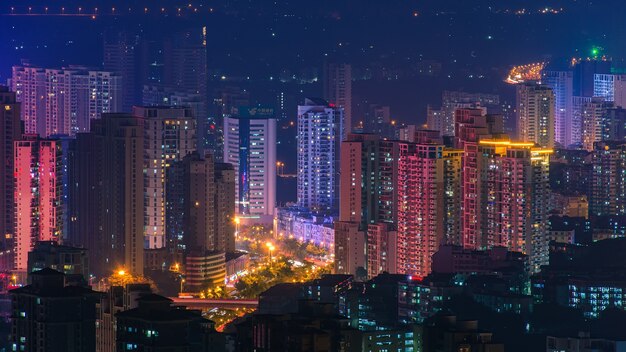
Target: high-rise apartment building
{"x":611,"y":87}
{"x":52,"y":316}
{"x":200,"y":207}
{"x":584,"y":75}
{"x":37,"y":196}
{"x":592,"y":121}
{"x":562,"y":83}
{"x":122,"y":54}
{"x":250,"y":146}
{"x":470,"y":127}
{"x":170,"y":135}
{"x":225,"y":180}
{"x":420,"y":190}
{"x":443,"y":119}
{"x":10,"y":131}
{"x":578,"y":104}
{"x":536,"y":114}
{"x":319,"y":128}
{"x":107,"y":194}
{"x":190,"y":204}
{"x":506,"y":204}
{"x":338,"y":92}
{"x":608,"y":189}
{"x":398,"y":201}
{"x":64,"y":101}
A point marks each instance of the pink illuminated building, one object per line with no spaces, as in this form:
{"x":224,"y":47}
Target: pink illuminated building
{"x":37,"y":195}
{"x":423,"y":207}
{"x":472,"y":125}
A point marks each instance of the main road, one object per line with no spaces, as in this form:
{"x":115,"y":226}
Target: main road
{"x":206,"y":304}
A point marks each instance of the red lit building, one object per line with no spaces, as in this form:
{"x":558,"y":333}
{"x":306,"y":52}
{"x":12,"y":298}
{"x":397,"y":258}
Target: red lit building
{"x":37,"y":195}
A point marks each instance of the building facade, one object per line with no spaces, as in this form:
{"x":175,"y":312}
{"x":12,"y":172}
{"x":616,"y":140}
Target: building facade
{"x":11,"y":131}
{"x":37,"y":196}
{"x":319,"y":128}
{"x":338,"y":92}
{"x":64,"y":101}
{"x":536,"y":114}
{"x":250,"y":146}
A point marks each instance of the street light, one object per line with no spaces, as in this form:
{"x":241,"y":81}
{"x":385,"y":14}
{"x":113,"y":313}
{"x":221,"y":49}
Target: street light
{"x":121,"y":272}
{"x":182,"y":281}
{"x":271,"y":248}
{"x":237,"y":222}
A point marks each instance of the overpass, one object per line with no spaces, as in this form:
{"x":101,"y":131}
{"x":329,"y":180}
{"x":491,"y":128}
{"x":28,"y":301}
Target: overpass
{"x":207,"y":304}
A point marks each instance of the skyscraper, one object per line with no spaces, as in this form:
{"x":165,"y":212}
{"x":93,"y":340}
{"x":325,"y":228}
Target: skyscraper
{"x":562,"y":83}
{"x":64,"y":101}
{"x":536,"y":114}
{"x":338,"y":92}
{"x":319,"y":128}
{"x":250,"y":146}
{"x":10,"y":131}
{"x":170,"y":134}
{"x":37,"y":196}
{"x":107,"y":193}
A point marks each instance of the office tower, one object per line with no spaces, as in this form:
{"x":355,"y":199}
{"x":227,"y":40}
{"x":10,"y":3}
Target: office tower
{"x":121,"y":55}
{"x":50,"y":316}
{"x":250,"y":146}
{"x":225,"y":181}
{"x":37,"y":196}
{"x":562,"y":83}
{"x":64,"y":101}
{"x":536,"y":114}
{"x":116,"y":300}
{"x":611,"y":87}
{"x":591,"y":122}
{"x":443,"y":119}
{"x":584,"y":75}
{"x":319,"y":128}
{"x":10,"y":131}
{"x":608,"y":189}
{"x":155,"y":323}
{"x":107,"y":194}
{"x":338,"y":92}
{"x":170,"y":134}
{"x":71,"y":261}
